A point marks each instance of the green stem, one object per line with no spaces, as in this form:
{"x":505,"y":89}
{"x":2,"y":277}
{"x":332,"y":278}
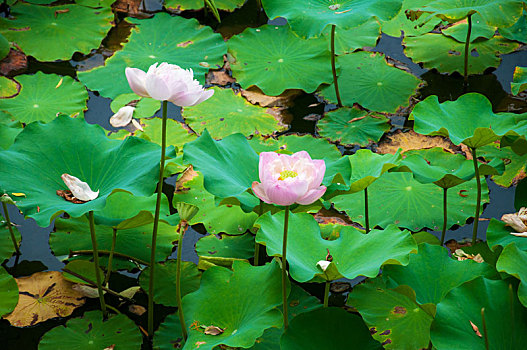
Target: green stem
{"x":284,"y":267}
{"x":94,"y":284}
{"x":156,"y":223}
{"x":467,"y":44}
{"x":366,"y":211}
{"x":107,"y":252}
{"x":333,"y":68}
{"x":478,"y":199}
{"x":10,"y":227}
{"x":444,"y":215}
{"x":110,"y":257}
{"x":96,"y":263}
{"x":485,"y":334}
{"x":326,"y":294}
{"x":182,"y":229}
{"x":256,"y":244}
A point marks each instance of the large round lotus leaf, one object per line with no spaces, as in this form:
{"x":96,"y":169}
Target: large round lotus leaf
{"x":432,"y":273}
{"x":401,"y":22}
{"x":8,"y":292}
{"x":144,"y":108}
{"x":242,"y":318}
{"x":458,"y":317}
{"x":365,"y":78}
{"x":517,"y":31}
{"x":519,"y":80}
{"x":183,"y":5}
{"x":32,"y":25}
{"x":394,"y":316}
{"x":288,"y":144}
{"x":43,"y":96}
{"x":6,"y":244}
{"x":226,"y":113}
{"x":310,"y":18}
{"x":168,"y":336}
{"x":165,"y":281}
{"x":396,"y":198}
{"x":177,"y":133}
{"x":498,"y":234}
{"x":237,"y":247}
{"x":8,"y":132}
{"x":42,"y":296}
{"x":8,"y":87}
{"x":447,"y":55}
{"x":513,"y":261}
{"x":89,"y":332}
{"x":469,"y":120}
{"x":68,"y":145}
{"x":175,"y":40}
{"x":514,"y":169}
{"x":479,"y":29}
{"x":84,"y":268}
{"x":366,"y":167}
{"x":349,"y":40}
{"x":354,"y":253}
{"x":350,"y":126}
{"x":327,"y":329}
{"x":275,"y":59}
{"x":74,"y":234}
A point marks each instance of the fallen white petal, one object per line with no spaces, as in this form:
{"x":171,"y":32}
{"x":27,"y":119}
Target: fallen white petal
{"x":519,"y":234}
{"x":81,"y":190}
{"x":323,"y":264}
{"x":137,"y":125}
{"x":123,"y":117}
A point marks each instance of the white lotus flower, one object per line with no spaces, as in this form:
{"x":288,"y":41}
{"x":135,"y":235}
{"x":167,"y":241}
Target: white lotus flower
{"x":81,"y":190}
{"x":123,"y":117}
{"x":323,"y":264}
{"x":518,"y":221}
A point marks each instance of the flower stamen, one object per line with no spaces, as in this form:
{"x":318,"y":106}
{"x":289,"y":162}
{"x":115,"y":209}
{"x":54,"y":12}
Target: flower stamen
{"x":287,"y":173}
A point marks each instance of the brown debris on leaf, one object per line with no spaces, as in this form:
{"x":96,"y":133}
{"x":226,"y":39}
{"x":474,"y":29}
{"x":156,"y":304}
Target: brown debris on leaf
{"x":222,"y":76}
{"x":67,"y":195}
{"x":256,"y":96}
{"x":518,"y":221}
{"x":332,"y":217}
{"x":42,"y":296}
{"x":185,"y":177}
{"x":131,"y":8}
{"x":15,"y":63}
{"x":475,"y":328}
{"x":411,"y":140}
{"x":454,"y":245}
{"x":460,"y":255}
{"x":137,"y":309}
{"x":213,"y":330}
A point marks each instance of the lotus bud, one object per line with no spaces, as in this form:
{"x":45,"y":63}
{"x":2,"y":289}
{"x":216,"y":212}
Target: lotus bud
{"x":6,"y":199}
{"x":323,"y":264}
{"x":81,"y":190}
{"x":186,"y":211}
{"x":123,"y":117}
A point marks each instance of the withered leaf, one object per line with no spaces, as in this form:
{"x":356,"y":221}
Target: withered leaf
{"x":213,"y":330}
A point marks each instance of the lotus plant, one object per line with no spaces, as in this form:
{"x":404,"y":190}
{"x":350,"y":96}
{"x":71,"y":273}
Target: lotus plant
{"x":164,"y":82}
{"x":286,"y":180}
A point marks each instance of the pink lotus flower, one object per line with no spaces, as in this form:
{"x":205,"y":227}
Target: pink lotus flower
{"x":288,"y":179}
{"x":167,"y":82}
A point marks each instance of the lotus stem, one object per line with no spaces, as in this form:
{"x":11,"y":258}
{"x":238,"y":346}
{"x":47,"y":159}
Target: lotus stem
{"x":444,"y":215}
{"x":183,"y":225}
{"x":333,"y":69}
{"x":259,"y":5}
{"x":284,"y":267}
{"x":326,"y":294}
{"x":256,"y":244}
{"x":10,"y":227}
{"x":110,"y":257}
{"x":156,"y":223}
{"x":467,"y":44}
{"x":212,"y":5}
{"x":96,"y":263}
{"x":107,"y":252}
{"x":478,"y":199}
{"x":511,"y":299}
{"x":366,"y":211}
{"x":92,"y":283}
{"x":485,"y":334}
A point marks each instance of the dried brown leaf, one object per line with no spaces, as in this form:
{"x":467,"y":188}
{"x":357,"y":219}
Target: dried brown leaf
{"x":256,"y":96}
{"x":411,"y":140}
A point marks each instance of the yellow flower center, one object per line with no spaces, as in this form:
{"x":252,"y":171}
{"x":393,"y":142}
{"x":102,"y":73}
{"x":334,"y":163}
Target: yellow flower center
{"x":287,"y":173}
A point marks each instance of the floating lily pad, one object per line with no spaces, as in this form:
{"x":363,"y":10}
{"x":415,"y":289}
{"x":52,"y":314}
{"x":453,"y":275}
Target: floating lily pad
{"x":183,"y":5}
{"x":519,"y":80}
{"x":145,"y":107}
{"x":226,"y":113}
{"x":43,"y":96}
{"x":349,"y":40}
{"x":89,"y":332}
{"x":447,"y":55}
{"x":6,"y":244}
{"x":515,"y":164}
{"x":72,"y":146}
{"x":8,"y":87}
{"x":354,"y":253}
{"x":9,"y":292}
{"x":513,"y":261}
{"x":238,"y":247}
{"x":401,"y":22}
{"x":275,"y":59}
{"x":33,"y":25}
{"x":396,"y":198}
{"x":350,"y":126}
{"x":479,"y":29}
{"x":177,"y":133}
{"x":500,"y":235}
{"x":365,"y":78}
{"x":153,"y":40}
{"x":518,"y":30}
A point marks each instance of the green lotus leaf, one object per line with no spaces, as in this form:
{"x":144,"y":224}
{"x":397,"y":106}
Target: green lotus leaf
{"x":447,"y":55}
{"x":42,"y":96}
{"x":93,"y":3}
{"x":169,"y":336}
{"x":349,"y":40}
{"x":6,"y":244}
{"x":515,"y":167}
{"x":31,"y":25}
{"x":238,"y":247}
{"x":177,"y":133}
{"x":516,"y":142}
{"x":520,"y":195}
{"x":498,"y":234}
{"x":311,"y":18}
{"x":479,"y":29}
{"x":72,"y":146}
{"x":5,"y":47}
{"x":243,"y":318}
{"x":145,"y":107}
{"x":519,"y":80}
{"x":8,"y":293}
{"x":195,"y":46}
{"x":84,"y":268}
{"x":459,"y":314}
{"x":165,"y":281}
{"x":275,"y":59}
{"x":447,"y":273}
{"x":350,"y":126}
{"x":517,"y":31}
{"x":513,"y":261}
{"x":401,"y":22}
{"x":397,"y":197}
{"x":394,"y":317}
{"x":365,"y":78}
{"x":226,"y":113}
{"x":8,"y":87}
{"x":89,"y":332}
{"x":183,"y":5}
{"x":469,"y":120}
{"x":366,"y":167}
{"x":354,"y":253}
{"x":327,"y":328}
{"x":425,"y":237}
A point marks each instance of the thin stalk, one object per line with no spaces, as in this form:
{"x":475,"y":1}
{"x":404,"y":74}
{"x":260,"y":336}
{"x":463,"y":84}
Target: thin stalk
{"x":256,"y":244}
{"x":94,"y":284}
{"x":478,"y":198}
{"x":366,"y":211}
{"x":182,"y":229}
{"x":156,"y":223}
{"x":326,"y":294}
{"x":333,"y":68}
{"x":107,"y":252}
{"x":96,"y":263}
{"x":444,"y":215}
{"x":259,"y":5}
{"x":110,"y":257}
{"x":467,"y":44}
{"x":485,"y":334}
{"x":10,"y":227}
{"x":284,"y":266}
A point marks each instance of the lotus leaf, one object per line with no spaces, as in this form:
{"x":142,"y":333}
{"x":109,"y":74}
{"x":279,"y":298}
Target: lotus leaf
{"x":498,"y":234}
{"x":348,"y":251}
{"x":9,"y":292}
{"x":520,"y":195}
{"x":72,"y":146}
{"x":402,"y":23}
{"x":519,"y":80}
{"x":238,"y":247}
{"x":89,"y":332}
{"x":226,"y":113}
{"x":275,"y":59}
{"x":32,"y":25}
{"x":183,"y":5}
{"x":459,"y":316}
{"x":6,"y":244}
{"x":196,"y":47}
{"x":84,"y":268}
{"x":243,"y":318}
{"x":5,"y":47}
{"x":349,"y":40}
{"x":517,"y":31}
{"x":516,"y":142}
{"x":479,"y":29}
{"x":513,"y":261}
{"x":366,"y":167}
{"x":145,"y":107}
{"x":352,"y":126}
{"x":8,"y":87}
{"x":365,"y":78}
{"x":514,"y":169}
{"x":42,"y":96}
